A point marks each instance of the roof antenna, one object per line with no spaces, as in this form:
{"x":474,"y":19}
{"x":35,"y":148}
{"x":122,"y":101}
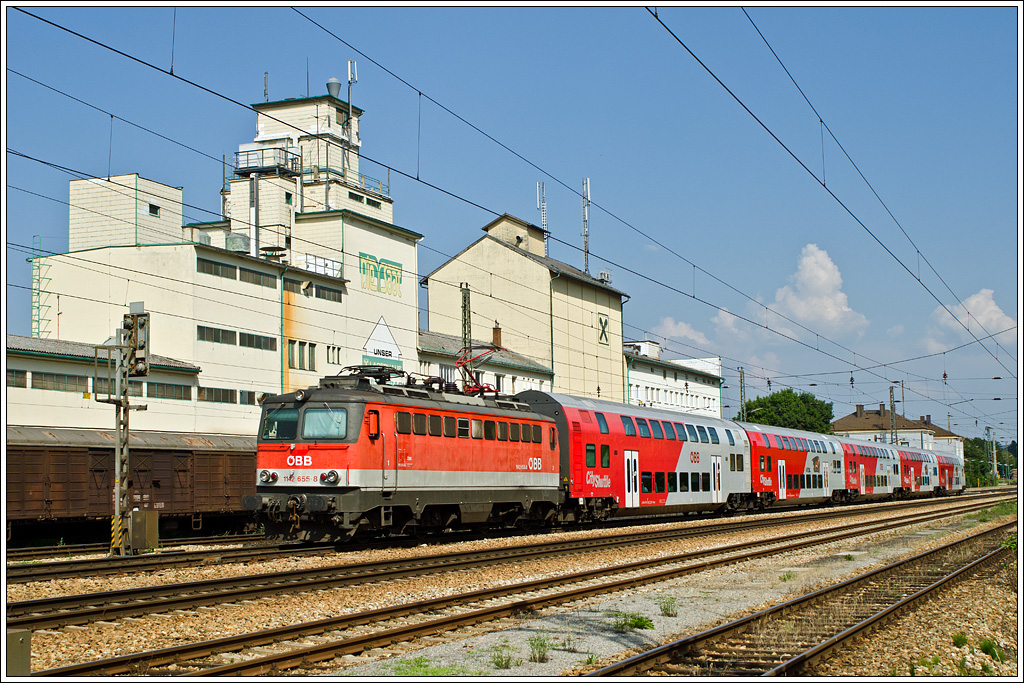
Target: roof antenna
{"x":542,"y":204}
{"x":266,"y":93}
{"x":586,"y":229}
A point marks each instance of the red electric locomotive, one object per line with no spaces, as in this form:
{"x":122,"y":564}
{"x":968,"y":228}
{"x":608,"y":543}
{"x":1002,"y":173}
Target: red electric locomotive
{"x":352,"y":456}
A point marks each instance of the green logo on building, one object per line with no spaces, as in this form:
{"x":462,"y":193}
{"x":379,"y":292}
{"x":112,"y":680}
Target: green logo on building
{"x":380,"y":275}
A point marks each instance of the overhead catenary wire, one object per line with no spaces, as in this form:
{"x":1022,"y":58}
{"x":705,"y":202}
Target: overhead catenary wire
{"x":450,"y":194}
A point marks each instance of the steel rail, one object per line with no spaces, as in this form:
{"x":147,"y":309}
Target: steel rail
{"x":731,"y":554}
{"x":61,"y":611}
{"x":664,"y":654}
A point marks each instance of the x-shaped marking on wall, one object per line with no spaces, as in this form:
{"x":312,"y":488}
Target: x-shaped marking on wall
{"x":602,"y":336}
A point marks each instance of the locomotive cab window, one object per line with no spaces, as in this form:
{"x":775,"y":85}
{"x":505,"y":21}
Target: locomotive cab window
{"x":324,"y":423}
{"x":403,"y":422}
{"x":419,"y":424}
{"x":477,"y":429}
{"x":490,"y":433}
{"x":450,"y":429}
{"x":280,"y":424}
{"x":538,"y":434}
{"x":513,"y":431}
{"x":434,"y":423}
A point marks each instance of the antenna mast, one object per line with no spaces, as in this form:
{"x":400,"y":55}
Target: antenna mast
{"x":542,"y":204}
{"x":586,"y":229}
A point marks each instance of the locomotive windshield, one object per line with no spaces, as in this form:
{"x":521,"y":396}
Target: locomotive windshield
{"x":324,"y":423}
{"x":280,"y":424}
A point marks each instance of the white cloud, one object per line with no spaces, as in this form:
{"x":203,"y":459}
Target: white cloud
{"x":985,"y":318}
{"x":670,"y":328}
{"x":815,"y":296}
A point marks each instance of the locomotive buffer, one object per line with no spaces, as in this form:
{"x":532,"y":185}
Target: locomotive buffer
{"x":131,"y":353}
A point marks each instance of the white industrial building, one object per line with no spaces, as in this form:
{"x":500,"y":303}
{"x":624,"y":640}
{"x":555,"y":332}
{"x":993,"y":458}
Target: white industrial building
{"x":689,"y":386}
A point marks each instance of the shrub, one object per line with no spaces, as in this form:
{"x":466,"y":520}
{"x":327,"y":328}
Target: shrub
{"x":667,"y":603}
{"x":540,"y":644}
{"x":959,"y":640}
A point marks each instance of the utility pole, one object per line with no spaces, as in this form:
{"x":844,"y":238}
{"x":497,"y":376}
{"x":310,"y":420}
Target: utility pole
{"x":132,"y":360}
{"x":743,"y":397}
{"x":893,"y":437}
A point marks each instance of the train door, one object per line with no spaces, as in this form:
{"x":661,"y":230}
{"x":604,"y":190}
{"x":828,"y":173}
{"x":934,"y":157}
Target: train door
{"x":861,"y":466}
{"x":577,"y":460}
{"x":716,"y":479}
{"x":782,"y":479}
{"x":389,"y":449}
{"x":632,"y":459}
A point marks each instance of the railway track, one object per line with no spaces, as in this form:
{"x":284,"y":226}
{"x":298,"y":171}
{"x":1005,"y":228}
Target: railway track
{"x":786,"y":638}
{"x":61,"y":611}
{"x":416,"y":619}
{"x":75,"y":568}
{"x":50,"y":551}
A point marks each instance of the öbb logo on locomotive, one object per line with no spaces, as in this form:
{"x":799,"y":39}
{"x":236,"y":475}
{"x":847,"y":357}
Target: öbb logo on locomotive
{"x":380,"y":457}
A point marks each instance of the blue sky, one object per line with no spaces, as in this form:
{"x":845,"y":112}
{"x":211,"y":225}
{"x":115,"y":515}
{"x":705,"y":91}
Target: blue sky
{"x":725,"y":243}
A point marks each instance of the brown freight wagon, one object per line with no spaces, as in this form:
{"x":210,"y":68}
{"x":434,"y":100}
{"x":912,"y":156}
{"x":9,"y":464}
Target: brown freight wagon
{"x":195,"y":481}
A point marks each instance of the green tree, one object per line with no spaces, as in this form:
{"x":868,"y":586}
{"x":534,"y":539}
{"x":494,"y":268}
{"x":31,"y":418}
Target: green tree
{"x":789,"y":409}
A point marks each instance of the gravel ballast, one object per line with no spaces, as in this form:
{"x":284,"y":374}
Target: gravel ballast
{"x":579,"y":636}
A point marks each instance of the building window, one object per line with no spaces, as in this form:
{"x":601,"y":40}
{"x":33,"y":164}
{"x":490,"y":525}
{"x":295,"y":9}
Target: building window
{"x":257,"y":278}
{"x":288,"y":198}
{"x":214,"y":268}
{"x":291,"y":353}
{"x":334,"y":355}
{"x":178,"y":392}
{"x":103,"y":385}
{"x":248,"y":398}
{"x":256,"y":341}
{"x":17,"y":378}
{"x":215,"y":395}
{"x":214,"y":334}
{"x":302,"y":355}
{"x":355,"y":197}
{"x":372,"y":202}
{"x":154,"y":210}
{"x":328,"y":293}
{"x":312,"y":357}
{"x":60,"y":382}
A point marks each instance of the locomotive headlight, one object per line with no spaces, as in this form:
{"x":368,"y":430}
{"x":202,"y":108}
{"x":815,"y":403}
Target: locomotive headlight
{"x":265,"y":477}
{"x":329,"y":477}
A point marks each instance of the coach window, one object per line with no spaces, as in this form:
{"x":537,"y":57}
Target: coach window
{"x":645,"y":482}
{"x":627,"y":424}
{"x":768,"y":462}
{"x":761,"y":464}
{"x":684,"y":482}
{"x":732,"y":462}
{"x":645,"y":431}
{"x":695,"y":481}
{"x":463,"y":427}
{"x":403,"y":423}
{"x":656,"y":429}
{"x":705,"y":480}
{"x":281,"y":423}
{"x":739,"y":462}
{"x":659,"y":482}
{"x":732,"y":441}
{"x":538,"y":434}
{"x":477,"y":429}
{"x":601,"y":422}
{"x":419,"y":424}
{"x":671,"y":482}
{"x":778,"y":441}
{"x":591,"y":455}
{"x":703,"y":434}
{"x":503,"y":431}
{"x":693,"y":434}
{"x":513,"y":431}
{"x":434,"y":425}
{"x":680,"y":431}
{"x":670,"y":433}
{"x":714,"y":434}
